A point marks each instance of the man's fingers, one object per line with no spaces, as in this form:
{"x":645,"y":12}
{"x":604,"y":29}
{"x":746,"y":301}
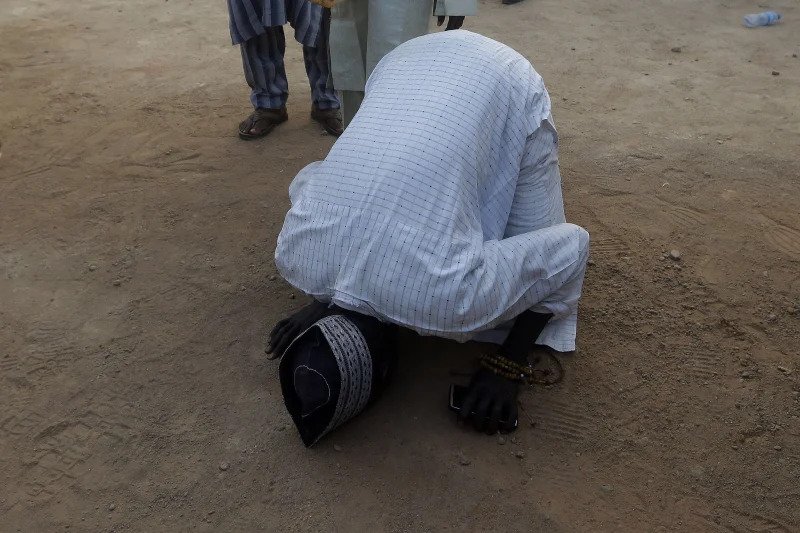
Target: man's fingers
{"x":482,"y":412}
{"x":469,"y":403}
{"x":278,"y":326}
{"x":510,"y":423}
{"x":287,"y":335}
{"x":495,"y":415}
{"x":440,"y":21}
{"x":277,"y":333}
{"x":278,"y":350}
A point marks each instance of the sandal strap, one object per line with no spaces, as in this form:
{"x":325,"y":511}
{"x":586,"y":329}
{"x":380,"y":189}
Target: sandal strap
{"x":270,"y":118}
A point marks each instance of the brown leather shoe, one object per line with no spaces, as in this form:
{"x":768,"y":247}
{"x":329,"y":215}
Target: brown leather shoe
{"x":261,"y":122}
{"x":331,"y":120}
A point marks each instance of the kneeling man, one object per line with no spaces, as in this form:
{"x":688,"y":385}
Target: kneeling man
{"x":439,"y":210}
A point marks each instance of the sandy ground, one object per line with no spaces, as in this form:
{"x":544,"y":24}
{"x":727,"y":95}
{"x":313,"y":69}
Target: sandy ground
{"x":136,"y":240}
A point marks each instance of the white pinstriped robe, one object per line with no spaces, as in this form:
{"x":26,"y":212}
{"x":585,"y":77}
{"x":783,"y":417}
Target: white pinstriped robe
{"x":440,"y":207}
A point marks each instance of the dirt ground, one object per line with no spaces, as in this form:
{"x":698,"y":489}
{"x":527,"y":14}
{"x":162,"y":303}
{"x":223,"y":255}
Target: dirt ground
{"x":136,"y":241}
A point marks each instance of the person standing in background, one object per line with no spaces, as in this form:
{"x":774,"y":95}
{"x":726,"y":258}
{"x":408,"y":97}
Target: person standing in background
{"x":257,"y":26}
{"x":363,"y":31}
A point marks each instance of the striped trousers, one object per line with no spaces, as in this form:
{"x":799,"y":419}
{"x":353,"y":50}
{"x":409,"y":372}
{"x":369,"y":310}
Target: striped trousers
{"x":265,"y":72}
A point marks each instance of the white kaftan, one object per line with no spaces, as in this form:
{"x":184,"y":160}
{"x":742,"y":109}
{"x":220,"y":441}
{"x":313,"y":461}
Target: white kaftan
{"x":363,"y":31}
{"x":440,"y":207}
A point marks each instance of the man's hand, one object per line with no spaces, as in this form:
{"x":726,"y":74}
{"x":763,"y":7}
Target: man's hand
{"x":288,"y":329}
{"x":453,"y":23}
{"x":494,"y":400}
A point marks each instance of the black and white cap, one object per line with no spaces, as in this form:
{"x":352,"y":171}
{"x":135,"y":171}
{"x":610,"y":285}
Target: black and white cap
{"x":329,"y":374}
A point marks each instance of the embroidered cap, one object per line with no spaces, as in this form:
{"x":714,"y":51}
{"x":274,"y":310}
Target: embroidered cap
{"x":329,"y":374}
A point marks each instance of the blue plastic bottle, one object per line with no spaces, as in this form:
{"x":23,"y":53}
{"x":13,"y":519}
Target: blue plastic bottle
{"x":767,"y":18}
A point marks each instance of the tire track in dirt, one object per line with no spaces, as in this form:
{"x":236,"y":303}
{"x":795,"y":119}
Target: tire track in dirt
{"x":48,"y":159}
{"x":728,"y":521}
{"x":20,"y":423}
{"x":48,"y":351}
{"x":700,"y":361}
{"x":607,"y":245}
{"x":561,"y":421}
{"x":55,"y":460}
{"x":784,"y":238}
{"x":680,"y":217}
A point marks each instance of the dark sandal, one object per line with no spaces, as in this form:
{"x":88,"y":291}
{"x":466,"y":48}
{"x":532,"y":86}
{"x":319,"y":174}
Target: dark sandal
{"x":331,"y":120}
{"x":262,"y":121}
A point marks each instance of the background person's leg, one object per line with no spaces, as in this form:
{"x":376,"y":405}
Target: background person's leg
{"x":264,"y":70}
{"x":317,"y":61}
{"x":262,"y":57}
{"x":323,"y":96}
{"x":325,"y":104}
{"x":348,"y":48}
{"x":351,"y":101}
{"x":311,"y":25}
{"x":393,"y":23}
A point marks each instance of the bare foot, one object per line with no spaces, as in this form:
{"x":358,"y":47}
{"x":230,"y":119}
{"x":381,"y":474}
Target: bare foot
{"x":289,"y":328}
